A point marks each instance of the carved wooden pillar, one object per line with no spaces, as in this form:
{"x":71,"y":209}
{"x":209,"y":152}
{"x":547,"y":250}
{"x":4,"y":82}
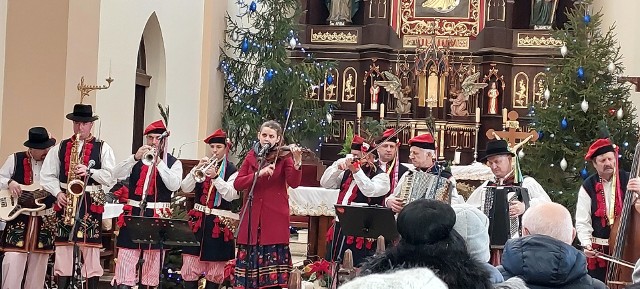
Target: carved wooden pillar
{"x":497,"y":11}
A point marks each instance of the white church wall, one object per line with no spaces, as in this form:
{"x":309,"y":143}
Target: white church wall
{"x":177,"y":35}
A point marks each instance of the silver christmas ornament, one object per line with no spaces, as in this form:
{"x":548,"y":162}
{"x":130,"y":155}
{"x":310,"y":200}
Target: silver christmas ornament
{"x":329,"y":117}
{"x":547,"y":94}
{"x":292,"y":43}
{"x":611,"y":67}
{"x":584,"y":105}
{"x":620,"y":113}
{"x":563,"y":164}
{"x":521,"y":154}
{"x":564,"y":50}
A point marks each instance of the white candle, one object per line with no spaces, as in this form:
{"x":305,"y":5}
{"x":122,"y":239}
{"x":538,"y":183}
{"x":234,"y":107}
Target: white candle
{"x":382,"y":111}
{"x":109,"y":68}
{"x":359,"y":110}
{"x":477,"y":115}
{"x":504,"y":115}
{"x":456,"y":158}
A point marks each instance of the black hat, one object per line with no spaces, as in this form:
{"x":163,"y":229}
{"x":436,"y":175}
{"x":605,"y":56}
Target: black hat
{"x":82,"y":113}
{"x":425,"y":222}
{"x":496,"y":147}
{"x":39,"y":138}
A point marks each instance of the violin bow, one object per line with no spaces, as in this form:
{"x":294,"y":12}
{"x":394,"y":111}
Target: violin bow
{"x":284,"y":129}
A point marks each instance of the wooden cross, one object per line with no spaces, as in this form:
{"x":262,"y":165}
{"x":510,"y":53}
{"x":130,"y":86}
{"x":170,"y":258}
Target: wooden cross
{"x":512,"y":135}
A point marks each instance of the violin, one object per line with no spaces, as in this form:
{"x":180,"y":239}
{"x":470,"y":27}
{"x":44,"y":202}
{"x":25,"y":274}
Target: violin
{"x":280,"y":152}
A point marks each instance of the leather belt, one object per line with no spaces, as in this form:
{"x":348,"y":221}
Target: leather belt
{"x":92,"y":188}
{"x":599,"y":241}
{"x":150,"y":205}
{"x":217,"y":212}
{"x":45,"y":212}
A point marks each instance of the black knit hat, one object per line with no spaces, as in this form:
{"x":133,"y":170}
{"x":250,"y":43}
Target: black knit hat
{"x":426,"y":222}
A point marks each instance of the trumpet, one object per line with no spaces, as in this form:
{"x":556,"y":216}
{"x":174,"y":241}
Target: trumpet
{"x":200,"y":174}
{"x":148,"y":157}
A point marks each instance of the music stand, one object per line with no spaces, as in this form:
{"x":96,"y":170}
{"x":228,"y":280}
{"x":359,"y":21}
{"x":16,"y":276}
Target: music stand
{"x":163,"y":232}
{"x":367,"y":221}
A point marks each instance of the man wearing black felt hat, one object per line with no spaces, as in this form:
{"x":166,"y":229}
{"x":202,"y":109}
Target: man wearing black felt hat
{"x":72,"y":160}
{"x":28,"y":240}
{"x":499,"y":157}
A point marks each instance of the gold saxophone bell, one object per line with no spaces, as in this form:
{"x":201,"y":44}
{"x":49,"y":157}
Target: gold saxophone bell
{"x":201,"y":174}
{"x":147,"y":158}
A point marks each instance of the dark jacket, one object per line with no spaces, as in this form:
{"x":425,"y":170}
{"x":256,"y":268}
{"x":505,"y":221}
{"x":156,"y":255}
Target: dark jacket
{"x":545,"y":262}
{"x":455,"y":267}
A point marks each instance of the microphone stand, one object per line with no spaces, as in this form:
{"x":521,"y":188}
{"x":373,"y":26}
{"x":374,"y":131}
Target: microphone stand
{"x":74,"y":232}
{"x":249,"y":207}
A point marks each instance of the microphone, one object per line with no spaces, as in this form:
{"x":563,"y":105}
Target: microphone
{"x":442,"y":163}
{"x":91,"y":164}
{"x":264,"y":149}
{"x":164,"y":134}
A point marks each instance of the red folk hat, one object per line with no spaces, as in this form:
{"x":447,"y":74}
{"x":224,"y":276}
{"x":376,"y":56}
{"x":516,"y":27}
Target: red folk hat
{"x":155,"y":127}
{"x":599,"y":147}
{"x":424,"y":141}
{"x":386,"y":134}
{"x":218,"y":136}
{"x":358,"y":143}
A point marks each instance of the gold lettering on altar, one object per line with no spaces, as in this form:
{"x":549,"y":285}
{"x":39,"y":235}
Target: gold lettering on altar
{"x":460,"y":43}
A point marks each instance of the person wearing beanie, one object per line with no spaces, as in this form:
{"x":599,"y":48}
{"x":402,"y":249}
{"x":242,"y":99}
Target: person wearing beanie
{"x":361,"y":181}
{"x":473,"y":226}
{"x":389,"y":157}
{"x":422,"y":153}
{"x":60,"y":168}
{"x":600,"y":201}
{"x":429,"y":240}
{"x":415,"y":278}
{"x":150,"y":188}
{"x":212,"y":183}
{"x":544,"y":257}
{"x":28,"y":239}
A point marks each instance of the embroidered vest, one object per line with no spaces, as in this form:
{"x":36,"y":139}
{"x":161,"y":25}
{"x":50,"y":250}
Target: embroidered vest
{"x":200,"y":194}
{"x":596,"y":222}
{"x":361,"y":198}
{"x":96,"y":155}
{"x":163,"y":193}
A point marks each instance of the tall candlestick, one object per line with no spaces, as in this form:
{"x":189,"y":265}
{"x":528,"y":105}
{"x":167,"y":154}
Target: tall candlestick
{"x":109,"y":68}
{"x":456,"y":157}
{"x":359,"y":110}
{"x":382,"y":111}
{"x":477,"y":114}
{"x":504,"y":115}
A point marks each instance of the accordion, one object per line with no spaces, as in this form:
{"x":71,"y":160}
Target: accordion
{"x":496,"y":207}
{"x":423,"y":185}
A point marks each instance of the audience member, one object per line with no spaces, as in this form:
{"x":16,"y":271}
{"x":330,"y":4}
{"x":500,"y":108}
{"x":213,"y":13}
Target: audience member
{"x":513,"y":283}
{"x":416,"y":278}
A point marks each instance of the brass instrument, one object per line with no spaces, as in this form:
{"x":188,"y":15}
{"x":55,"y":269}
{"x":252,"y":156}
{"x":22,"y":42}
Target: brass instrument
{"x":75,"y":186}
{"x":148,"y":157}
{"x":423,"y":185}
{"x":200,"y":174}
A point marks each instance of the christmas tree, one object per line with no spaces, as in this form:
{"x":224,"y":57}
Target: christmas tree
{"x":583,"y":102}
{"x":262,"y":80}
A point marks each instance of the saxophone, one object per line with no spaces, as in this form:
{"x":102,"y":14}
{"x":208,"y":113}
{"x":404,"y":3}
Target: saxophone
{"x":75,"y":186}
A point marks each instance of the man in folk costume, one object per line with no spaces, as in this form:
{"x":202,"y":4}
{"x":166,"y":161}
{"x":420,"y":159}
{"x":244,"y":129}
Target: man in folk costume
{"x":61,"y":167}
{"x":156,"y":184}
{"x":389,"y":157}
{"x":600,"y":201}
{"x":506,"y":170}
{"x":28,"y":239}
{"x":209,"y":218}
{"x":359,"y":181}
{"x":422,"y":153}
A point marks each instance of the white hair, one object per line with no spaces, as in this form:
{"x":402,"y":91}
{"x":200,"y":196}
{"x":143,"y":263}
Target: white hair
{"x":550,"y":219}
{"x":416,"y":278}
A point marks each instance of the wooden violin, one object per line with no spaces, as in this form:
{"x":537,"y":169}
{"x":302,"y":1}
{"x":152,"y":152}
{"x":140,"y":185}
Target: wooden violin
{"x":280,"y":152}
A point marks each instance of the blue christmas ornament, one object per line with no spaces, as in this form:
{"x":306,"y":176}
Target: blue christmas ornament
{"x":245,"y":45}
{"x":253,"y":6}
{"x":540,"y":134}
{"x":587,"y":19}
{"x":584,"y":173}
{"x":564,"y":123}
{"x":580,"y":72}
{"x":330,"y":79}
{"x":269,"y":75}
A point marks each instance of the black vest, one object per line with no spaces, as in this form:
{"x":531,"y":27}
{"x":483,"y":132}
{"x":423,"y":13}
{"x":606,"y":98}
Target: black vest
{"x":163,"y":194}
{"x":96,"y":155}
{"x":361,"y":198}
{"x":224,"y":204}
{"x":589,"y":185}
{"x":18,"y":170}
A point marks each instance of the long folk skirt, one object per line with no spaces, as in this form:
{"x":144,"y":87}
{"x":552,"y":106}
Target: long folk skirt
{"x":262,"y":266}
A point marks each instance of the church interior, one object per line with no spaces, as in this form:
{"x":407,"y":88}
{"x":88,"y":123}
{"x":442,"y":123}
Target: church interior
{"x":466,"y":72}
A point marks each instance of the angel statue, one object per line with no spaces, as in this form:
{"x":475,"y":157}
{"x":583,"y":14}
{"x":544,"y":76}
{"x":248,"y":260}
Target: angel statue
{"x":394,"y":87}
{"x":468,"y":88}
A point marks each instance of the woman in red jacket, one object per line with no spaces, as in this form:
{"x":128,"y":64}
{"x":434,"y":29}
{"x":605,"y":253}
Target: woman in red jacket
{"x":264,"y":259}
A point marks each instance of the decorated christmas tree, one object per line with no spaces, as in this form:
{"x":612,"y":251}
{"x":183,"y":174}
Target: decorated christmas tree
{"x":262,"y":79}
{"x":583,"y":102}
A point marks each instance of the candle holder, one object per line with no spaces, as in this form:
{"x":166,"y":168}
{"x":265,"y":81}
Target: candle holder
{"x":475,"y":147}
{"x":85,"y":89}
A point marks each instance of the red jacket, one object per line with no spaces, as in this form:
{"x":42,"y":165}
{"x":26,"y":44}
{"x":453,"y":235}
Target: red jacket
{"x":270,"y":207}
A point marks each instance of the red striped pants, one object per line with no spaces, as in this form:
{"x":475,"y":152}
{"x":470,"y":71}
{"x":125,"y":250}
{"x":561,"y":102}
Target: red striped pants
{"x":193,"y":268}
{"x":126,"y":267}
